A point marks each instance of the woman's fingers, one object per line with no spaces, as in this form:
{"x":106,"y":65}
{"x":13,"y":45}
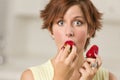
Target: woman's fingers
{"x":67,"y":56}
{"x":98,"y":60}
{"x":90,"y":67}
{"x":72,"y":55}
{"x":66,"y":52}
{"x":63,"y":53}
{"x":86,"y":71}
{"x":95,"y":62}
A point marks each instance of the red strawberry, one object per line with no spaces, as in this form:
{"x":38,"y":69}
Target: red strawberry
{"x":92,"y":51}
{"x":71,"y":43}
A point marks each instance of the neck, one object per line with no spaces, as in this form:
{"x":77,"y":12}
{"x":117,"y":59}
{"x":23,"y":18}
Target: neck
{"x":76,"y":74}
{"x":81,"y":59}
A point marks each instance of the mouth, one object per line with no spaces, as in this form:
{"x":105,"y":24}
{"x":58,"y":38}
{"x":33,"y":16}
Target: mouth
{"x":69,"y":42}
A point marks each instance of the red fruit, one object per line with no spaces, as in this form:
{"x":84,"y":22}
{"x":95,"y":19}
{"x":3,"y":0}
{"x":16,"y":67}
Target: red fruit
{"x":71,"y":43}
{"x":92,"y":51}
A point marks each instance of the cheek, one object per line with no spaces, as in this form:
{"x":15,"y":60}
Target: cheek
{"x":57,"y":37}
{"x":82,"y":37}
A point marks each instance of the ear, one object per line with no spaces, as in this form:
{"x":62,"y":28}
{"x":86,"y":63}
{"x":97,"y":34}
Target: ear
{"x":88,"y":36}
{"x":51,"y":33}
{"x":91,"y":33}
{"x":52,"y":36}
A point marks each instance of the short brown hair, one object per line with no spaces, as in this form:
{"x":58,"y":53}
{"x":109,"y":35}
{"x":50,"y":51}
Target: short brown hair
{"x":57,"y":8}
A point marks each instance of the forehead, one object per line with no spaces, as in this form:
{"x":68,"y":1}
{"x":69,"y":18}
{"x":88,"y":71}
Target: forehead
{"x":74,"y":11}
{"x":70,"y":12}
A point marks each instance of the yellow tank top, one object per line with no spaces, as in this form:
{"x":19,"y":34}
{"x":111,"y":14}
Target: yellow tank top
{"x":45,"y":72}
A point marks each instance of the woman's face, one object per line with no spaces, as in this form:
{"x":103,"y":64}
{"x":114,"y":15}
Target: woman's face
{"x":72,"y":26}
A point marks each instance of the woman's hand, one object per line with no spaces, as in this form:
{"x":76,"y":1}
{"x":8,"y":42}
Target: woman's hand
{"x":89,"y":68}
{"x":64,"y":63}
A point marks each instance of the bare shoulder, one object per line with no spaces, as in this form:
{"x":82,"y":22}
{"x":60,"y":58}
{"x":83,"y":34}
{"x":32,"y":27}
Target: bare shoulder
{"x":27,"y":75}
{"x":112,"y":76}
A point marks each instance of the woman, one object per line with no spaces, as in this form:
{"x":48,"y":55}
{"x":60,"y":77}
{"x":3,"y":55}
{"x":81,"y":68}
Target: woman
{"x":76,"y":21}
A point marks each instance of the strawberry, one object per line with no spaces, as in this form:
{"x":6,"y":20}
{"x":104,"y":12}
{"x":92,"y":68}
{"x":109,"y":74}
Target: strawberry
{"x":71,"y":43}
{"x":92,"y":51}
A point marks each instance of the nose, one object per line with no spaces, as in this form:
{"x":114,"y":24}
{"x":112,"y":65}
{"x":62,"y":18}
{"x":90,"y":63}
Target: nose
{"x":69,"y":32}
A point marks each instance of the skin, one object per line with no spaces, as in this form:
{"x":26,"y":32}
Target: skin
{"x":71,"y":65}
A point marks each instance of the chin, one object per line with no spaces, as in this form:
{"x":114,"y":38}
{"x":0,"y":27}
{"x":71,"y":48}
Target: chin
{"x":81,"y":50}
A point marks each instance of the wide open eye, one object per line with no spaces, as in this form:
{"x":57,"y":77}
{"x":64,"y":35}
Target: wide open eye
{"x":77,"y":23}
{"x":60,"y":22}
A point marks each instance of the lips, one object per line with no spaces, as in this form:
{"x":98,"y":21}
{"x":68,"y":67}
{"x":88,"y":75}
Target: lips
{"x":71,"y":43}
{"x":92,"y":51}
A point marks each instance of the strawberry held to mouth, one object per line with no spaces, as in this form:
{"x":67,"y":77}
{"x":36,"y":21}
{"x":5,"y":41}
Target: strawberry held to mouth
{"x":71,"y":43}
{"x":92,"y":51}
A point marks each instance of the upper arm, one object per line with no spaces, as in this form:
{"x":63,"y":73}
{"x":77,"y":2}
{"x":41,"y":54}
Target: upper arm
{"x":27,"y":75}
{"x":112,"y":76}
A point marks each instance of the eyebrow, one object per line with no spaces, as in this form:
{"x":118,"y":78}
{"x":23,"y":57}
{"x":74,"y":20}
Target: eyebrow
{"x":73,"y":17}
{"x":79,"y":17}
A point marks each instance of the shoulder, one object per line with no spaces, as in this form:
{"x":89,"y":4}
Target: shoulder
{"x":106,"y":74}
{"x":112,"y":76}
{"x":102,"y":74}
{"x":27,"y":75}
{"x":37,"y":72}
